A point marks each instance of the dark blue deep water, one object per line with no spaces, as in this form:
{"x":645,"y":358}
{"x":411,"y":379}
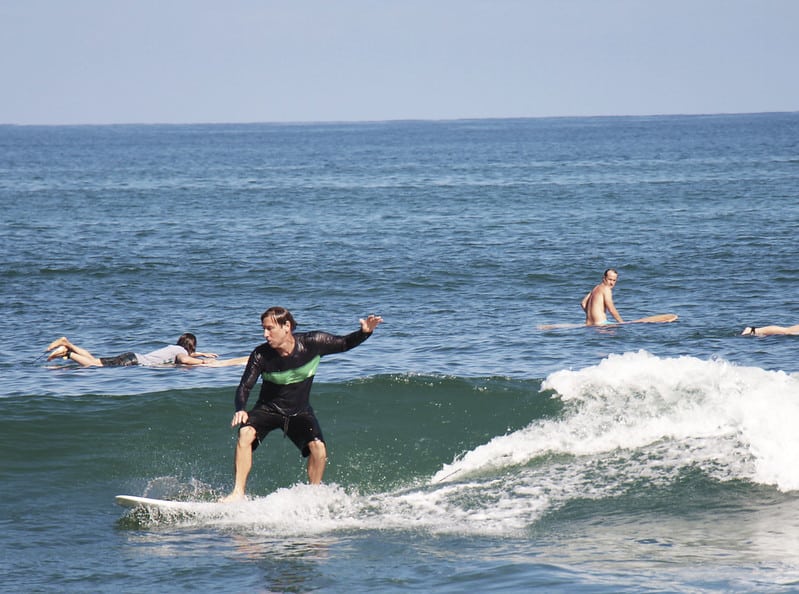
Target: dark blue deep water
{"x":470,"y":451}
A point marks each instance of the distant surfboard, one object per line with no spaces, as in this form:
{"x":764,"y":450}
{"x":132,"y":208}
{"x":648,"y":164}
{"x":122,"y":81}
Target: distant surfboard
{"x":658,"y":319}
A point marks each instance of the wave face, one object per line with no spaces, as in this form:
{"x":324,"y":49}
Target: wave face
{"x":444,"y":454}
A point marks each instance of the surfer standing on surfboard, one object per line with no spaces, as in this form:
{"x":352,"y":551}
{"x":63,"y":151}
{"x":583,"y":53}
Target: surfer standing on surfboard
{"x":600,"y":299}
{"x":286,"y":364}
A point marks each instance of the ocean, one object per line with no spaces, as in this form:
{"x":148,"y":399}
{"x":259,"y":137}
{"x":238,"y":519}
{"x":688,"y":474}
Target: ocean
{"x":469,"y":450}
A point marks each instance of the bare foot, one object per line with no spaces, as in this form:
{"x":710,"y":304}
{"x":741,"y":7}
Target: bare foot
{"x":58,"y":342}
{"x":61,"y":351}
{"x":233,"y":498}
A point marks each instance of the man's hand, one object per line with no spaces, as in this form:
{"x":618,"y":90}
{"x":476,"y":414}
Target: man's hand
{"x":370,"y":323}
{"x":240,"y":417}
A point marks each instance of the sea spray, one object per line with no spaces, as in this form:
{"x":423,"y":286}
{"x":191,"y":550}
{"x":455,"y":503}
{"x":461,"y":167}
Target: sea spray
{"x":735,"y":422}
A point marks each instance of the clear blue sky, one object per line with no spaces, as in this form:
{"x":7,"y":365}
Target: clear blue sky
{"x":149,"y":61}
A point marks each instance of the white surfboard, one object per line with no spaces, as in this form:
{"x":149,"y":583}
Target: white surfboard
{"x":658,"y":319}
{"x":134,"y":501}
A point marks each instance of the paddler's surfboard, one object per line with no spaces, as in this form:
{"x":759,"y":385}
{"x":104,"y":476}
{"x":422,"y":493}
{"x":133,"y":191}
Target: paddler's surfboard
{"x":658,"y":319}
{"x":162,"y":504}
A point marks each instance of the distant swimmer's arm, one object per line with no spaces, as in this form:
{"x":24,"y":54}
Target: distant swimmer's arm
{"x":584,"y":302}
{"x":612,"y":308}
{"x":228,"y":362}
{"x":189,"y":360}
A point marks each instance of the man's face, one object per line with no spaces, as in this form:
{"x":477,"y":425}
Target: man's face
{"x":611,"y":278}
{"x":276,"y":334}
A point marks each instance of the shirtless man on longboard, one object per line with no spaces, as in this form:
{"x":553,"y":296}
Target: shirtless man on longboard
{"x":600,"y":300}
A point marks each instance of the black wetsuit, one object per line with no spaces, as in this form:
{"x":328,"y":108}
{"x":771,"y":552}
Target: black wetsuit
{"x":284,"y":401}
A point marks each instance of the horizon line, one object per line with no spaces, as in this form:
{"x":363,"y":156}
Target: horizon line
{"x":393,"y":120}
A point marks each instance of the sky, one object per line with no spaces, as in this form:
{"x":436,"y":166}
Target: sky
{"x":231,"y":61}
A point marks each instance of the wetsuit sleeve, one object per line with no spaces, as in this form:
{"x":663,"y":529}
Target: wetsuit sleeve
{"x":248,"y":380}
{"x":327,"y":344}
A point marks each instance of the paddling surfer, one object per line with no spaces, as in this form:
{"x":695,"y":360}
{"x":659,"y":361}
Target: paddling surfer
{"x":770,"y":330}
{"x":183,"y":352}
{"x":600,"y":300}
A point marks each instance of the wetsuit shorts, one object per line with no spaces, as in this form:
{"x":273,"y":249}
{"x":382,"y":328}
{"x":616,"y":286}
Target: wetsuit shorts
{"x":302,"y":428}
{"x":123,"y":360}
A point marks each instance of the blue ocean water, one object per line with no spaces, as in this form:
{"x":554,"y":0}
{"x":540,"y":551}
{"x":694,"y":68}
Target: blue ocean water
{"x":469,"y":450}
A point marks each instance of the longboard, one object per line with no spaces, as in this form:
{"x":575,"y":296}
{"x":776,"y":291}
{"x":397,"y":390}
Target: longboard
{"x":161,"y":504}
{"x":658,"y":319}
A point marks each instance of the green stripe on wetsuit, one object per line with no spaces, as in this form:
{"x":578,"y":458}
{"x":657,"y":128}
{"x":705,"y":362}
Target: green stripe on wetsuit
{"x":292,"y":376}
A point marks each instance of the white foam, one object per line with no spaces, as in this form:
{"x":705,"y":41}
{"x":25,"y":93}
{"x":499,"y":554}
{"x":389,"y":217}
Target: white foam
{"x":298,"y":510}
{"x":484,"y":507}
{"x":736,"y":422}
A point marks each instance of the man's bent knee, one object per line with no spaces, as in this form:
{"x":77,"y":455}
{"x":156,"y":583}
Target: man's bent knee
{"x":247,"y":435}
{"x":317,"y":448}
